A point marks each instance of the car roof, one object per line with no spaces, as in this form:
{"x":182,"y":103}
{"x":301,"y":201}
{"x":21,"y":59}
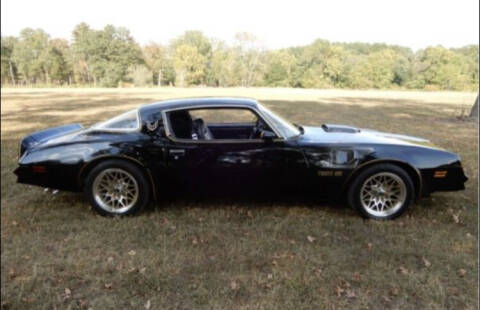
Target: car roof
{"x":198,"y":102}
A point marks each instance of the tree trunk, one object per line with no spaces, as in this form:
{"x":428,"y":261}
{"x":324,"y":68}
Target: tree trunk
{"x":181,"y":78}
{"x":87,"y":73}
{"x":159,"y":78}
{"x":474,"y":110}
{"x":12,"y":75}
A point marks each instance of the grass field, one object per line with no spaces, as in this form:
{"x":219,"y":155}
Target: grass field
{"x":239,"y":253}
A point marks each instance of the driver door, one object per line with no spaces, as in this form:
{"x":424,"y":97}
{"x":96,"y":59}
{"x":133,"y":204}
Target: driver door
{"x":236,"y":157}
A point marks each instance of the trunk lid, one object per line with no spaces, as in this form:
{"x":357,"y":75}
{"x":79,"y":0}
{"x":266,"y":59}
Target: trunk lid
{"x":42,"y":136}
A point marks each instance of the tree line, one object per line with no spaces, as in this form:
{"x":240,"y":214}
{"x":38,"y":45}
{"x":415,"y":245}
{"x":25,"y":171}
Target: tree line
{"x":111,"y":57}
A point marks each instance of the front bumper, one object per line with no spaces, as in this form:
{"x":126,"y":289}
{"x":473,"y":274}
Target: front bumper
{"x":448,"y":178}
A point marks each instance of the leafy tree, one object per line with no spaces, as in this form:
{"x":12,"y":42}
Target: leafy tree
{"x":196,"y":39}
{"x":280,"y":65}
{"x":377,"y":70}
{"x":121,"y":52}
{"x":402,"y":71}
{"x":105,"y":54}
{"x":469,"y":56}
{"x":323,"y":65}
{"x":249,"y":53}
{"x":110,"y":56}
{"x":84,"y":50}
{"x":56,"y":62}
{"x":440,"y":68}
{"x":189,"y":65}
{"x":203,"y":46}
{"x":140,"y":75}
{"x":158,"y":59}
{"x":28,"y":54}
{"x":224,"y":66}
{"x":8,"y":66}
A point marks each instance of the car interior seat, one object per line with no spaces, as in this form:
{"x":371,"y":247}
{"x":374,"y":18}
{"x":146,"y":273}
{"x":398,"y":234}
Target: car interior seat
{"x":202,"y":130}
{"x":181,"y":123}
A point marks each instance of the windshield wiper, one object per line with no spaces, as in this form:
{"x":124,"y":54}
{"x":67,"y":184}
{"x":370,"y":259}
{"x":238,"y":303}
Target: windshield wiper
{"x":300,"y":128}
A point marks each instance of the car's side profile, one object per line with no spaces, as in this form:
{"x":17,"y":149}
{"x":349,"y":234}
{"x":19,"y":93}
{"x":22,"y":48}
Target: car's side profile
{"x":202,"y":143}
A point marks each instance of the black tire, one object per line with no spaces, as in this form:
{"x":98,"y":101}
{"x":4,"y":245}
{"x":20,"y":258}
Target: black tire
{"x":143,"y":186}
{"x":354,"y":195}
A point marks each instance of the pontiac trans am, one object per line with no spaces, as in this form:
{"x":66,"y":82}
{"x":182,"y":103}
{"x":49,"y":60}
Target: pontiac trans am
{"x":223,"y":143}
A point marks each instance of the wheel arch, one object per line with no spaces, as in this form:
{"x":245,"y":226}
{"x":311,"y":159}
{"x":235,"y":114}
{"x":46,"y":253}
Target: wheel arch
{"x":413,"y":172}
{"x":88,"y":166}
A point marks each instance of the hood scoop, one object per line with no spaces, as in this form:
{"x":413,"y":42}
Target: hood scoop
{"x":339,"y":128}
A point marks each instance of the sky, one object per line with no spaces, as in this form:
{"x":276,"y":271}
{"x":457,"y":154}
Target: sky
{"x":412,"y":23}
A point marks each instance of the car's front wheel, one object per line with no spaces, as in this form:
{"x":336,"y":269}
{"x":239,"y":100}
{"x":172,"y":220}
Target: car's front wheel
{"x":117,"y":187}
{"x":381,"y":192}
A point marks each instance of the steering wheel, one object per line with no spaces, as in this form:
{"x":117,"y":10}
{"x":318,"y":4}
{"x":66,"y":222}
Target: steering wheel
{"x":257,"y":129}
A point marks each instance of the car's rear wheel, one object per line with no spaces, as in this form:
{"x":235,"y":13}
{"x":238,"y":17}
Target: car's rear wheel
{"x":117,"y":187}
{"x":381,"y":192}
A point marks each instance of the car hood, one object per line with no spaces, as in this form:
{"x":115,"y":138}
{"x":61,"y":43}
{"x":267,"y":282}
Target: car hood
{"x":332,"y":133}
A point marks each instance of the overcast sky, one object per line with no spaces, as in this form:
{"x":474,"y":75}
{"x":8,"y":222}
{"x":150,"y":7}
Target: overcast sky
{"x":412,"y":23}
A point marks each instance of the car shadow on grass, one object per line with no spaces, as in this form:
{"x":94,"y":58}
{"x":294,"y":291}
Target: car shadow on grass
{"x":191,"y":200}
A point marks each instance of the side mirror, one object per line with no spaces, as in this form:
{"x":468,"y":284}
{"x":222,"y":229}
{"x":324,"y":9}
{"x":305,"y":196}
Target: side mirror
{"x":267,"y":135}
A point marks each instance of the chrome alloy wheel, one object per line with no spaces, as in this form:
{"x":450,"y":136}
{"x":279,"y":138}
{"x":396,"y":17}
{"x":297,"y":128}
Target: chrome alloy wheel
{"x":383,"y":194}
{"x":115,"y":190}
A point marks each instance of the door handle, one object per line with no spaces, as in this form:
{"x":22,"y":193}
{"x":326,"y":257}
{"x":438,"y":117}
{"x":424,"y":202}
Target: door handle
{"x":177,"y":153}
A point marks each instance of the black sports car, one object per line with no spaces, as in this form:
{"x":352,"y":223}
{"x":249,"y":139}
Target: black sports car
{"x":206,"y":143}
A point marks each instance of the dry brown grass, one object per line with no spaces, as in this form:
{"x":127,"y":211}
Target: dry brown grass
{"x":238,"y":253}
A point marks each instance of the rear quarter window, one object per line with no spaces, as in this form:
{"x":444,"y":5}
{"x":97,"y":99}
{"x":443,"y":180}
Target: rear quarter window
{"x":128,"y":120}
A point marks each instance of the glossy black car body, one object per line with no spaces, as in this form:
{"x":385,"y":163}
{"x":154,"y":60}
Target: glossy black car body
{"x":324,"y":159}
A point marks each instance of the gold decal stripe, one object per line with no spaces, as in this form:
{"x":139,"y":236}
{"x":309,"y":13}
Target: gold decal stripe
{"x":329,"y":173}
{"x":325,"y":173}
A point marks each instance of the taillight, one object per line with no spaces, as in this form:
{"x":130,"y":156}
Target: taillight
{"x":39,"y":169}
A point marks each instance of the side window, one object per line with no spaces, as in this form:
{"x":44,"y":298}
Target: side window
{"x":215,"y":124}
{"x":224,"y":116}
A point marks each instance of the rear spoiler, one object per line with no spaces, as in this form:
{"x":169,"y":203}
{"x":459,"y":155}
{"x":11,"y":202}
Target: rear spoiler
{"x":44,"y":135}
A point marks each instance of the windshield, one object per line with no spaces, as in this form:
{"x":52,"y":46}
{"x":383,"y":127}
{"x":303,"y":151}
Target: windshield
{"x":125,"y":121}
{"x":285,"y":127}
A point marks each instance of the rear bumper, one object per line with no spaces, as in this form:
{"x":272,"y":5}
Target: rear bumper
{"x":51,"y":177}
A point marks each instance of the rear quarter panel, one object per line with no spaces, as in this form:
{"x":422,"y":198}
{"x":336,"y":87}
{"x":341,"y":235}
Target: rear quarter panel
{"x":65,"y":163}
